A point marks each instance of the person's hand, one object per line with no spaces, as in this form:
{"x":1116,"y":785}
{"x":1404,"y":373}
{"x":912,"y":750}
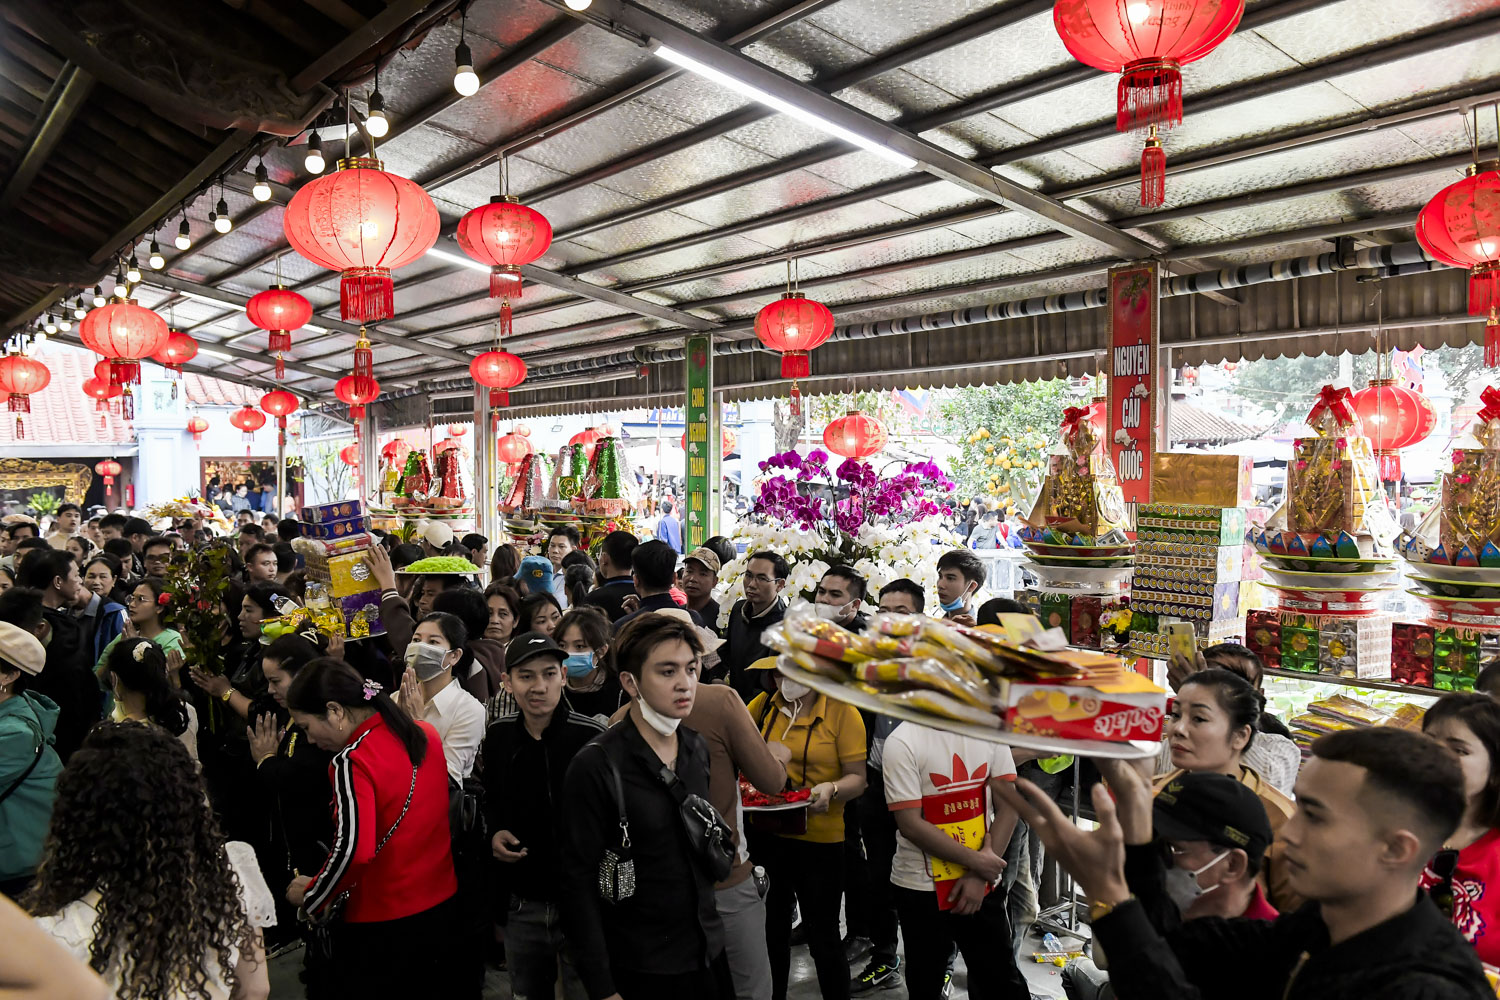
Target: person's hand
{"x":127,"y":631}
{"x":822,"y":797}
{"x":1132,"y":794}
{"x":174,"y":669}
{"x":987,"y":866}
{"x":213,"y":684}
{"x":379,"y":561}
{"x":964,"y":619}
{"x":411,"y":698}
{"x":780,"y":751}
{"x":630,"y":604}
{"x":296,"y":890}
{"x":1180,"y":668}
{"x":967,"y":895}
{"x":506,"y":847}
{"x":1095,"y":860}
{"x":265,"y":736}
{"x":336,"y":646}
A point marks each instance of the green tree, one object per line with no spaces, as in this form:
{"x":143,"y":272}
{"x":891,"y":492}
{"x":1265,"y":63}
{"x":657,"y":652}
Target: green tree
{"x":327,"y":477}
{"x":1287,"y":387}
{"x":874,"y":403}
{"x":1003,"y":433}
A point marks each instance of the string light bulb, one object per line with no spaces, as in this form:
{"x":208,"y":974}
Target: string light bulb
{"x":155,"y":259}
{"x":184,"y":236}
{"x":222,"y":223}
{"x":262,"y":189}
{"x":78,"y":311}
{"x":579,"y":4}
{"x":375,"y":122}
{"x":51,"y":325}
{"x":63,"y":323}
{"x":122,"y":290}
{"x":465,"y":80}
{"x":313,"y":161}
{"x":133,"y":272}
{"x":99,"y":299}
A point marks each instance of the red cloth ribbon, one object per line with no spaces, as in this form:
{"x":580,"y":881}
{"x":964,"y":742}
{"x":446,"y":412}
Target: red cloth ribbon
{"x":1339,"y":402}
{"x":1490,"y":398}
{"x":1071,"y":416}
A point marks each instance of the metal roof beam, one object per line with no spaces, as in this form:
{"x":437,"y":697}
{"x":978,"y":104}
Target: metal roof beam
{"x":69,"y":92}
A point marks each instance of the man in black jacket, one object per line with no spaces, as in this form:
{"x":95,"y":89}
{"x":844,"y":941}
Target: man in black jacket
{"x":765,"y":578}
{"x":660,"y":938}
{"x":614,"y":571}
{"x":69,"y":677}
{"x":653,"y":568}
{"x":1373,"y":805}
{"x":525,"y":758}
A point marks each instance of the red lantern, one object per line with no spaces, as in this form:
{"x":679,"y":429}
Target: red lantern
{"x":101,"y":391}
{"x":1394,"y":417}
{"x":278,"y":310}
{"x":20,"y":376}
{"x":794,"y":326}
{"x":109,"y":469}
{"x":364,"y":223}
{"x":196,"y":425}
{"x":727,"y":441}
{"x":346,"y":391}
{"x":854,"y":436}
{"x":279,"y":403}
{"x":249,"y":420}
{"x":350,"y":455}
{"x":395,"y":451}
{"x":446,"y":444}
{"x":589,"y":439}
{"x":512,"y":448}
{"x":124,"y":333}
{"x":177,"y":351}
{"x":505,"y":235}
{"x":1461,"y":226}
{"x":1147,"y":42}
{"x":500,"y":371}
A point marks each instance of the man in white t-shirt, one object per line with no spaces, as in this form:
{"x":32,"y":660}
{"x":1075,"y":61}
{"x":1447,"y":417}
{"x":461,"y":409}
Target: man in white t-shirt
{"x":951,"y":830}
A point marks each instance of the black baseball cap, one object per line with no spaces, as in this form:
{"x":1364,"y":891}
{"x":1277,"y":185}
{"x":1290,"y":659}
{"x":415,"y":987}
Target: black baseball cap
{"x":1215,"y":808}
{"x":528,"y":646}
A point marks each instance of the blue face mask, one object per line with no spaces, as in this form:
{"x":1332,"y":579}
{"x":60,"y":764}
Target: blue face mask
{"x":578,"y":664}
{"x":956,"y":603}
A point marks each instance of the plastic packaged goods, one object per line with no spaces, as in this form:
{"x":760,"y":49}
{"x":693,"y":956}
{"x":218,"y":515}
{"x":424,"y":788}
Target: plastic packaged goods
{"x":937,"y":703}
{"x":929,"y":673}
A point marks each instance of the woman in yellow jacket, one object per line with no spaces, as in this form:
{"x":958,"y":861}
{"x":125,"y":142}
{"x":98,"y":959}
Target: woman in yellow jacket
{"x":806,"y":863}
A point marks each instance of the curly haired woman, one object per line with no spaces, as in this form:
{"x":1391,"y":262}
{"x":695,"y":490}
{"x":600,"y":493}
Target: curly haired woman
{"x":131,"y":832}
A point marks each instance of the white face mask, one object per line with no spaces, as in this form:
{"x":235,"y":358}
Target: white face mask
{"x":655,"y":719}
{"x":793,"y":690}
{"x":1182,"y":885}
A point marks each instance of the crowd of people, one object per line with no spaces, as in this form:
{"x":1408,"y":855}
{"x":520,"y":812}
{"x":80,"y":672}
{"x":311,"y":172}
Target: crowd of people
{"x":537,"y":765}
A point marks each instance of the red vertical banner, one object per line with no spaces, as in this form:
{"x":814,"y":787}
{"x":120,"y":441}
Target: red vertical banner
{"x":1133,"y":336}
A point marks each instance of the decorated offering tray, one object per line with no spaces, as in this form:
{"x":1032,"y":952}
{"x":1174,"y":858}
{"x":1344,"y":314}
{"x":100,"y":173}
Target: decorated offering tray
{"x":439,"y":565}
{"x":1084,"y":562}
{"x":1330,"y":564}
{"x":1451,"y":609}
{"x":1103,"y":580}
{"x":1378,"y":578}
{"x":755,"y":801}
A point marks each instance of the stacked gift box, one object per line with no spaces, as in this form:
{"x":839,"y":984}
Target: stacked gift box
{"x":1447,"y":657}
{"x":1342,"y":645}
{"x":1076,"y":614}
{"x":1190,"y":560}
{"x":341,"y":589}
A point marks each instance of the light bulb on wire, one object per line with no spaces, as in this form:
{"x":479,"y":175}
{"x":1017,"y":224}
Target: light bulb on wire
{"x":222,"y":223}
{"x":51,"y":325}
{"x":156,"y":260}
{"x":78,"y":311}
{"x":99,"y":299}
{"x":63,"y":323}
{"x":184,"y":236}
{"x":579,"y":4}
{"x":465,"y":80}
{"x":262,"y":188}
{"x":122,"y":290}
{"x":313,"y":161}
{"x":133,"y":272}
{"x":375,"y":122}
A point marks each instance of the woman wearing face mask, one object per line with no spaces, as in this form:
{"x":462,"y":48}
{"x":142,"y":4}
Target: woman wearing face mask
{"x":136,"y":673}
{"x":592,"y":689}
{"x":430,"y":693}
{"x":387,"y":886}
{"x":292,"y":772}
{"x":1459,"y":875}
{"x":1211,"y":726}
{"x":826,"y":740}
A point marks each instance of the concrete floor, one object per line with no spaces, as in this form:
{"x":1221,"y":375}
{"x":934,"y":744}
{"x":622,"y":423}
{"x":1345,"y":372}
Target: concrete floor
{"x":1044,"y":979}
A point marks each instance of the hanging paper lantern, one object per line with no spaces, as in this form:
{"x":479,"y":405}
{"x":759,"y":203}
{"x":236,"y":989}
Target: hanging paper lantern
{"x":395,"y":451}
{"x":345,"y":390}
{"x":177,"y":351}
{"x":364,"y":223}
{"x":1394,"y":417}
{"x":1147,"y":42}
{"x":446,"y":444}
{"x":589,"y":439}
{"x":99,"y":390}
{"x":124,"y":333}
{"x":727,"y":441}
{"x":349,"y":454}
{"x":1461,"y":226}
{"x":278,"y":310}
{"x":512,"y":448}
{"x":21,"y":376}
{"x":854,"y":436}
{"x":279,"y":403}
{"x":109,"y":469}
{"x":794,"y":326}
{"x":249,"y":420}
{"x":196,"y":425}
{"x":506,"y":236}
{"x":500,"y":371}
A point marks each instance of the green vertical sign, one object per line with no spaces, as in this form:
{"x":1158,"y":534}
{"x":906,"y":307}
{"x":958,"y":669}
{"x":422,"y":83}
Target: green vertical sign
{"x":697,"y":512}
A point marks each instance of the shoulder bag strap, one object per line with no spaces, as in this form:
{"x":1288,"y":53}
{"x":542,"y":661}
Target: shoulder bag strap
{"x":36,"y":757}
{"x":392,"y":831}
{"x":618,"y":790}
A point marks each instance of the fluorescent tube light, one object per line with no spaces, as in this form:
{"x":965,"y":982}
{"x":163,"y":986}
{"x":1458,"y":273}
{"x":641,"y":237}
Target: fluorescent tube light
{"x":457,"y":258}
{"x":785,"y":107}
{"x":216,"y":354}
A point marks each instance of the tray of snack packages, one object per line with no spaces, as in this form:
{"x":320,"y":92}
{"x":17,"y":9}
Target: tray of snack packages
{"x":1011,"y":684}
{"x":752,"y":800}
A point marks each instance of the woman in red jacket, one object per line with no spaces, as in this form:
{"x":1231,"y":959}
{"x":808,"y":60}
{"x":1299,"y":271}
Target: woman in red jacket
{"x":388,"y":883}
